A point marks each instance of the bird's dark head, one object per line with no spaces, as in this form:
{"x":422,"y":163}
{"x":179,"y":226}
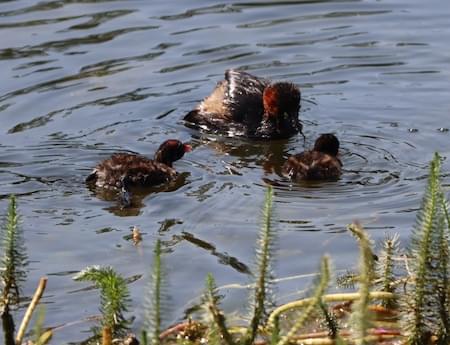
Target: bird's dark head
{"x":327,"y":143}
{"x":170,"y":151}
{"x":281,"y":106}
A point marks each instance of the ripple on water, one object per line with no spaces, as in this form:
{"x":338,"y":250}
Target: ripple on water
{"x":373,"y":179}
{"x":84,"y":79}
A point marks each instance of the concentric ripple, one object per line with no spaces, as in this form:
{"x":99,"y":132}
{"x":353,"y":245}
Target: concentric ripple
{"x":83,"y":79}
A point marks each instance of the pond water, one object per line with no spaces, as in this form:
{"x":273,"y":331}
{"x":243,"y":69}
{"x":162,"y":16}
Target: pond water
{"x":83,"y":78}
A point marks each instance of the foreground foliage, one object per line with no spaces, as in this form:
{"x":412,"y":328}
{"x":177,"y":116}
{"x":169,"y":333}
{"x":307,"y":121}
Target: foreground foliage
{"x":14,"y":257}
{"x":114,"y":297}
{"x":13,"y":274}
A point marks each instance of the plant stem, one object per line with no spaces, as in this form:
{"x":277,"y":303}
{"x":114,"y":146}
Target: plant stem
{"x":106,"y":335}
{"x":338,"y":297}
{"x":34,"y":302}
{"x":8,"y":326}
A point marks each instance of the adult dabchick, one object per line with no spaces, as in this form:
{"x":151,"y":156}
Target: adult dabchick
{"x":124,"y":170}
{"x":321,"y":163}
{"x":243,"y":104}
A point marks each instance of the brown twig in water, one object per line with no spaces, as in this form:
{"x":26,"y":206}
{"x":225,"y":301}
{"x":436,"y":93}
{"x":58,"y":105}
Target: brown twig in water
{"x":34,"y":302}
{"x":173,"y":330}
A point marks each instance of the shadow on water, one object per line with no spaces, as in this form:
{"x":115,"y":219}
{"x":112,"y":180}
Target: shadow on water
{"x":85,"y":78}
{"x":224,"y":258}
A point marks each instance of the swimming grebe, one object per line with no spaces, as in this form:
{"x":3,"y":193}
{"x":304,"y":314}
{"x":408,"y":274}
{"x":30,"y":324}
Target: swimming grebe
{"x":124,"y":170}
{"x":243,"y":104}
{"x":321,"y":163}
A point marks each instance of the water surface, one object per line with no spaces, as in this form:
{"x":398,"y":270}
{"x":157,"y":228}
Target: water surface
{"x":83,"y":79}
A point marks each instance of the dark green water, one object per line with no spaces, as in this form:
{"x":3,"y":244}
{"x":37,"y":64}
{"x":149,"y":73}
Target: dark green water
{"x":83,"y":79}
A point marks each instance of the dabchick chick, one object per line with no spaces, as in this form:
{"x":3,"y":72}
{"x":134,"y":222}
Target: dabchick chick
{"x":320,"y":163}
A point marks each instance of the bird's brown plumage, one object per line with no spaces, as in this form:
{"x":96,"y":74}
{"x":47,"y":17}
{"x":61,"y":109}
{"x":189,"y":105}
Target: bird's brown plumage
{"x":321,"y":163}
{"x":137,"y":169}
{"x":312,"y":165}
{"x":243,"y":104}
{"x":123,"y":170}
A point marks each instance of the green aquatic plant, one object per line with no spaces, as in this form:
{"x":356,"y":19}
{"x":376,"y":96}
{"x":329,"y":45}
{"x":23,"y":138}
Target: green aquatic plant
{"x":385,"y":268}
{"x":361,"y":318}
{"x":444,"y":288}
{"x":154,"y":299}
{"x":217,"y":328}
{"x":347,"y":280}
{"x":426,"y":303}
{"x":14,"y":257}
{"x":12,"y":275}
{"x":114,"y":297}
{"x":442,"y":285}
{"x":260,"y":299}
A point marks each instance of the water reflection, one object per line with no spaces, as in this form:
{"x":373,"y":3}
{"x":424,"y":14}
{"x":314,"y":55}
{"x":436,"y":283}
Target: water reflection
{"x":270,"y":155}
{"x":138,"y":195}
{"x":85,"y":78}
{"x":366,"y":160}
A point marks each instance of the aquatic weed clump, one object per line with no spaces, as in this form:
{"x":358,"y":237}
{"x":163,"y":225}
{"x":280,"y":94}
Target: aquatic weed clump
{"x":426,"y":302}
{"x":14,"y":258}
{"x":114,"y":298}
{"x":12,"y":270}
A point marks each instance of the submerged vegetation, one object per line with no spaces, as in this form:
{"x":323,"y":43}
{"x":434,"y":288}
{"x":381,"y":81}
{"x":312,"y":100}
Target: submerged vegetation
{"x":398,"y":298}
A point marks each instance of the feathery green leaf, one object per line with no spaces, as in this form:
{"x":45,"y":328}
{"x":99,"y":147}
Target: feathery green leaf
{"x":154,"y":298}
{"x":443,"y":272}
{"x":14,"y":260}
{"x":347,"y":280}
{"x":427,"y":314}
{"x":216,"y":324}
{"x":114,"y":296}
{"x":263,"y":257}
{"x":385,"y":268}
{"x":360,"y":317}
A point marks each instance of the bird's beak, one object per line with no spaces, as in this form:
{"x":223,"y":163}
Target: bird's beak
{"x":187,"y":148}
